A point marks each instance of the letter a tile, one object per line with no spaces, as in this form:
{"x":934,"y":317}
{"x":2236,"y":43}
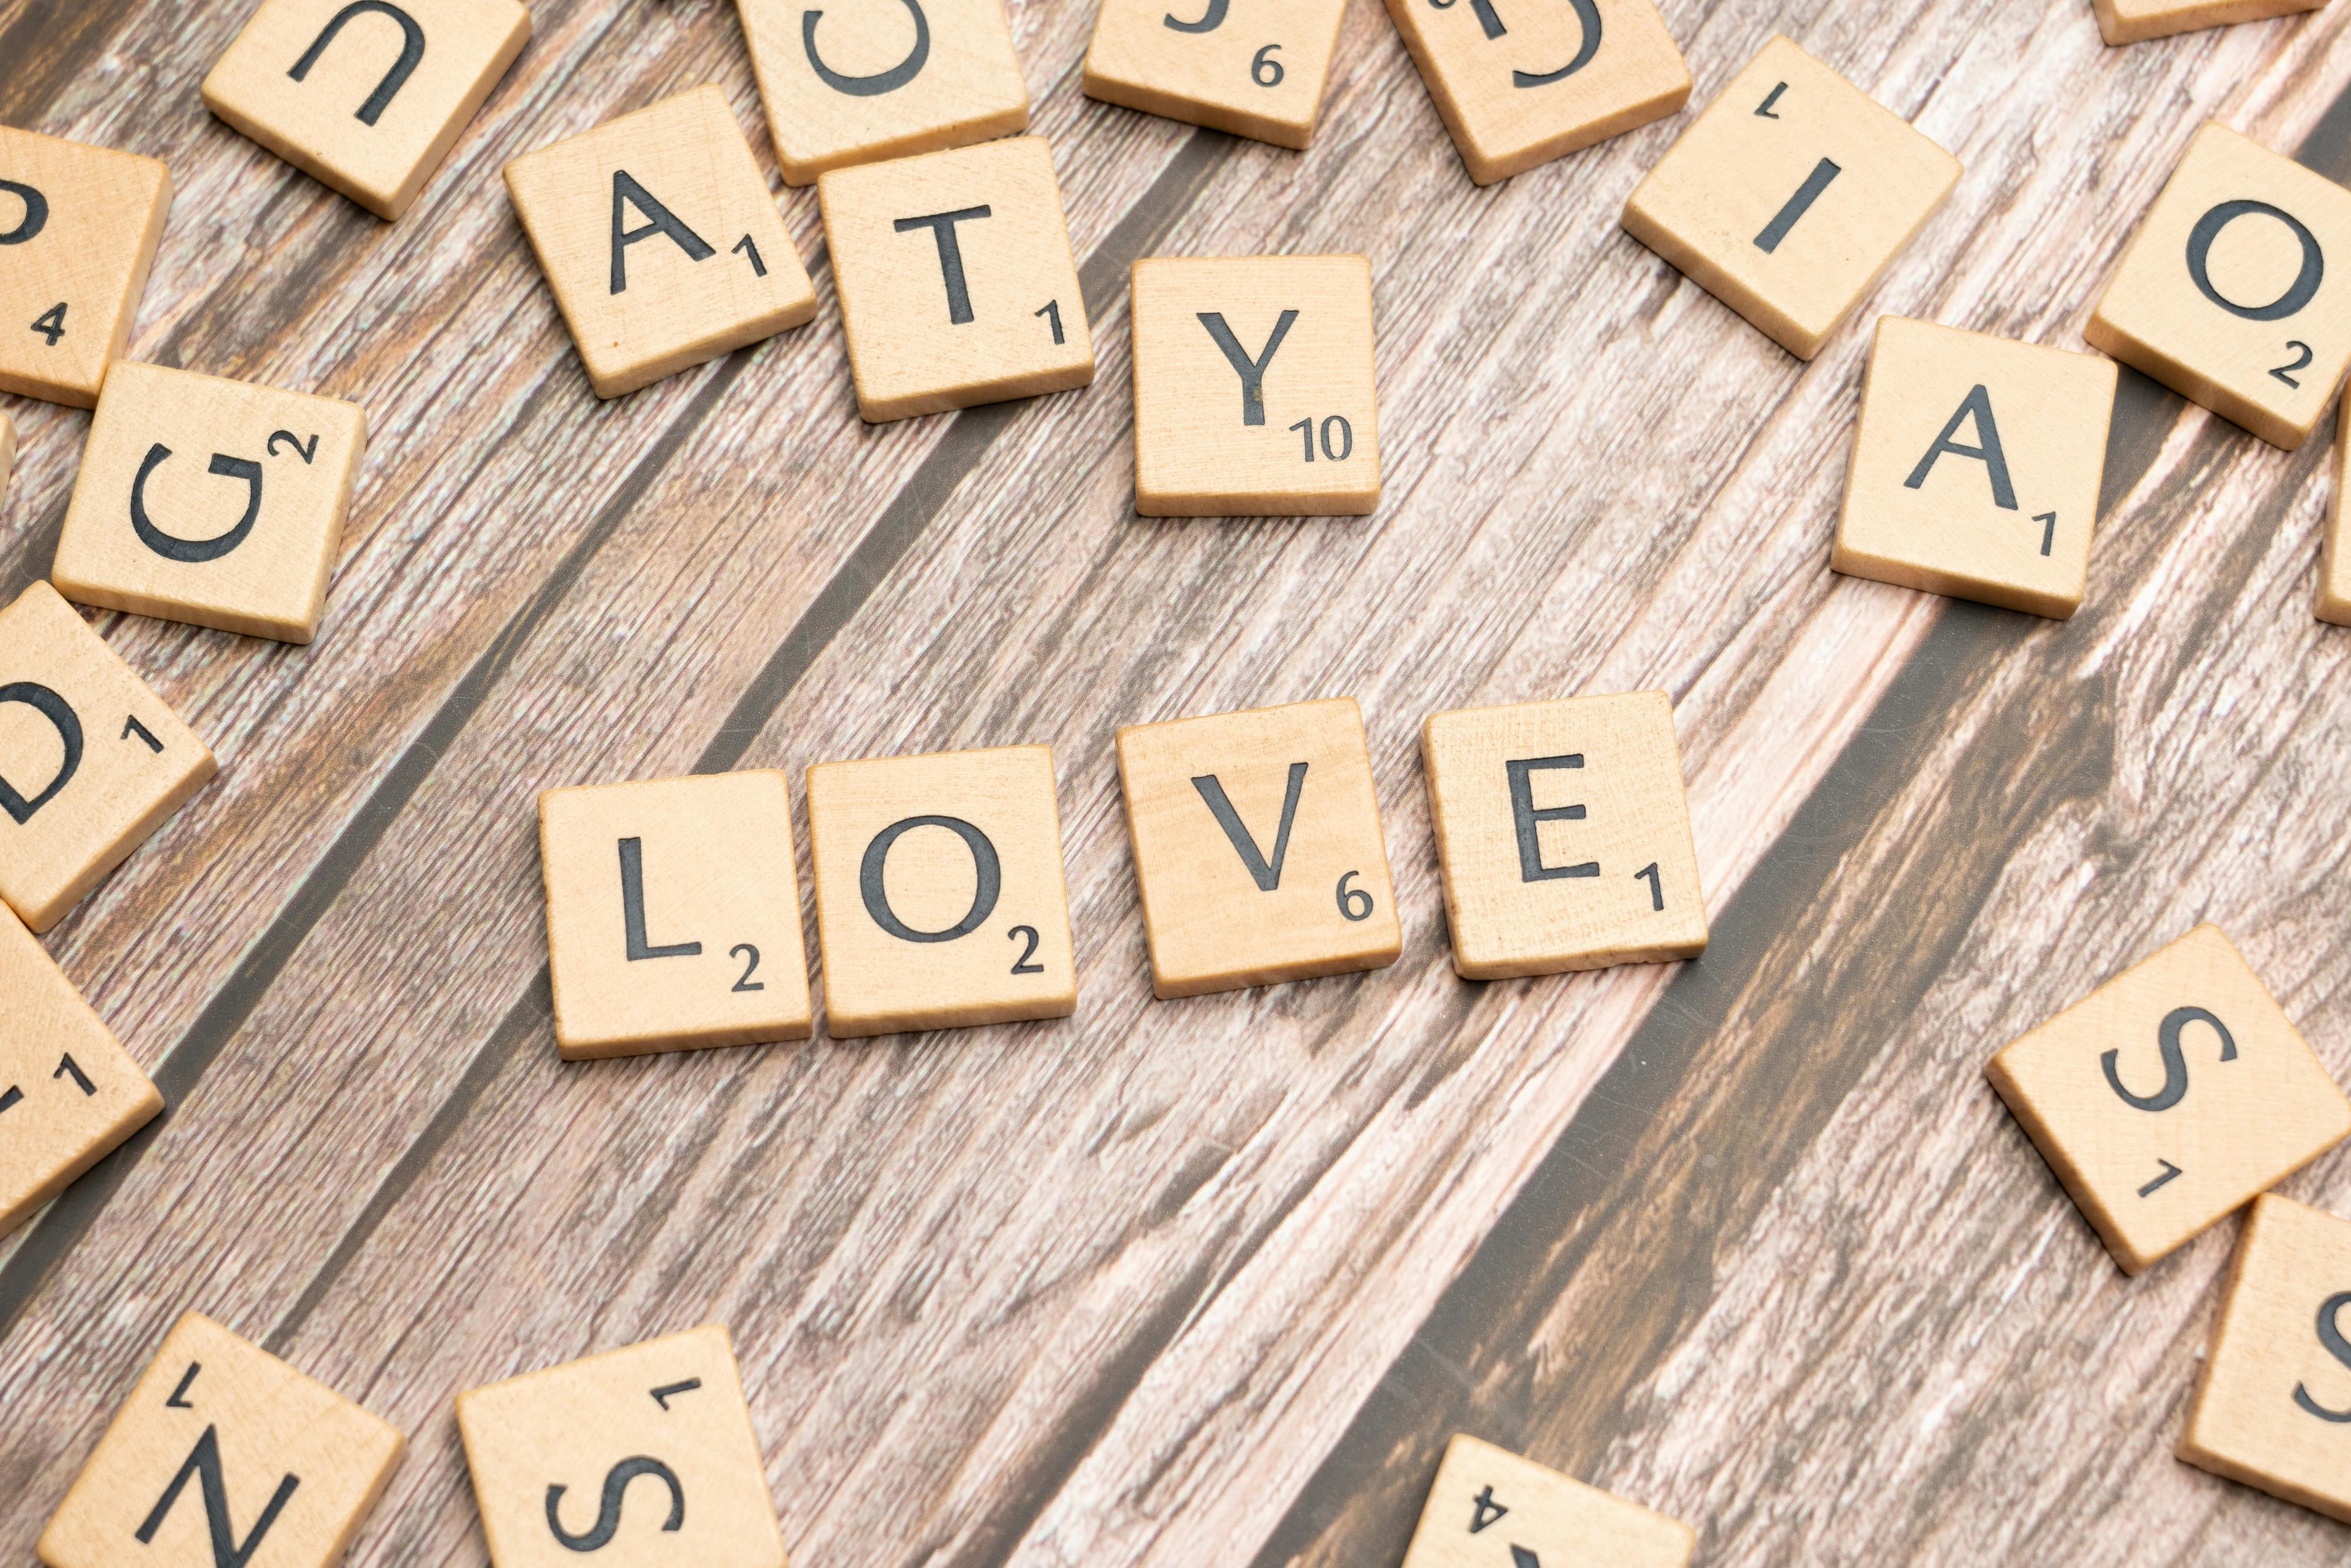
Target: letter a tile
{"x":68,"y":1093}
{"x":1253,"y":387}
{"x":1789,"y":197}
{"x":674,"y":915}
{"x":90,"y":760}
{"x":857,"y":81}
{"x":365,"y":96}
{"x":662,"y":241}
{"x":1520,"y":82}
{"x":2135,"y":21}
{"x":939,"y":895}
{"x":1976,"y":469}
{"x":224,"y":1454}
{"x":78,"y":228}
{"x":956,"y":282}
{"x":1258,"y":74}
{"x":1257,"y":846}
{"x":2225,"y":295}
{"x":639,"y":1457}
{"x":214,"y":502}
{"x":1490,"y":1509}
{"x":2334,"y":563}
{"x":1563,"y":835}
{"x":2170,"y":1095}
{"x":2274,"y":1408}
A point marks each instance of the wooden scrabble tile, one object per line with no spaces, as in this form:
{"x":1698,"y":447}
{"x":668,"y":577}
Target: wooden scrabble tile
{"x":1789,"y":195}
{"x":1976,"y":469}
{"x":2170,"y":1095}
{"x":78,"y":228}
{"x":1563,"y":835}
{"x":1253,"y":387}
{"x":955,"y":280}
{"x":215,"y":502}
{"x":68,"y":1093}
{"x":1518,"y":83}
{"x":1490,"y":1509}
{"x":7,"y":453}
{"x":365,"y":97}
{"x":856,"y":81}
{"x":224,"y":1455}
{"x":939,"y":897}
{"x":1257,"y":846}
{"x":1259,"y":75}
{"x":661,"y":239}
{"x":90,"y":760}
{"x":674,"y":915}
{"x":2224,"y":295}
{"x":2135,"y":21}
{"x":2273,"y":1410}
{"x":2335,"y":564}
{"x":639,"y":1457}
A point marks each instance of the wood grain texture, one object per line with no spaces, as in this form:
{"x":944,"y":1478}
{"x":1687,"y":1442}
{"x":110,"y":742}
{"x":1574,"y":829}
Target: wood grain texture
{"x":1749,"y":1239}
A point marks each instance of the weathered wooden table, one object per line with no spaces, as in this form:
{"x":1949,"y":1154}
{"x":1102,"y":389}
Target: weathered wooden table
{"x":1749,"y":1239}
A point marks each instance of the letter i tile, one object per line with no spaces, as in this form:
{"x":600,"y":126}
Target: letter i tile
{"x":641,"y":1457}
{"x":223,"y":1454}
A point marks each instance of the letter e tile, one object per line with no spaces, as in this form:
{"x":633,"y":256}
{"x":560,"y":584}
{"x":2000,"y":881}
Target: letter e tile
{"x":956,"y":278}
{"x":223,"y":1453}
{"x":664,"y":245}
{"x":1976,"y":469}
{"x":90,"y":760}
{"x":1563,"y":835}
{"x":2169,"y":1096}
{"x":674,"y":915}
{"x":1253,"y":387}
{"x":68,"y":1093}
{"x":1520,"y":84}
{"x":859,"y":82}
{"x":2224,"y":295}
{"x":366,"y":97}
{"x":78,"y":228}
{"x":939,"y":895}
{"x":1490,"y":1509}
{"x":1789,"y":197}
{"x":2274,"y":1408}
{"x":215,"y":502}
{"x":634,"y":1458}
{"x":1257,"y":847}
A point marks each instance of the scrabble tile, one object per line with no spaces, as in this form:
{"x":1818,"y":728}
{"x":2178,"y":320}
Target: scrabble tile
{"x":223,"y":1454}
{"x":674,"y":915}
{"x":68,"y":1093}
{"x":2335,"y":564}
{"x":662,"y":242}
{"x":364,"y":96}
{"x":939,"y":897}
{"x":1562,"y":835}
{"x":2224,"y":293}
{"x":1257,"y":846}
{"x":2273,"y":1410}
{"x":1259,"y":75}
{"x":215,"y":502}
{"x":2170,"y":1095}
{"x":633,"y":1458}
{"x":1490,"y":1509}
{"x":78,"y":228}
{"x":90,"y":760}
{"x":1789,"y":197}
{"x":2135,"y":21}
{"x":7,"y":453}
{"x":955,"y":280}
{"x":1253,"y":387}
{"x":1976,"y":469}
{"x":1520,"y":82}
{"x":856,"y":81}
